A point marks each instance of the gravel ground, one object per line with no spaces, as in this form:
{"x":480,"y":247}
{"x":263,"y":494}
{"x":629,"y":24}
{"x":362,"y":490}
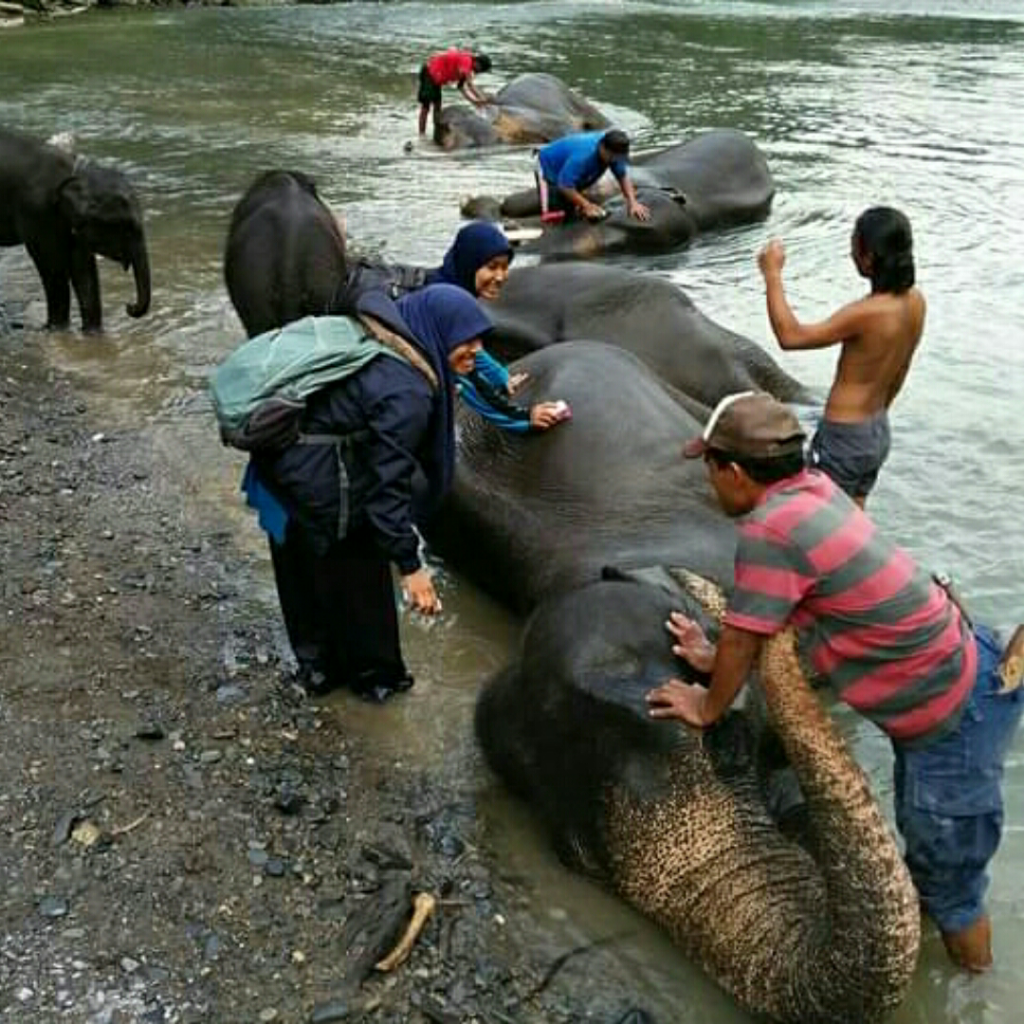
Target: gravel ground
{"x":184,"y":836}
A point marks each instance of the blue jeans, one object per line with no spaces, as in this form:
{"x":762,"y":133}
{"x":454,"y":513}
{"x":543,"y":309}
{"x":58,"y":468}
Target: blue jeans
{"x":949,"y":801}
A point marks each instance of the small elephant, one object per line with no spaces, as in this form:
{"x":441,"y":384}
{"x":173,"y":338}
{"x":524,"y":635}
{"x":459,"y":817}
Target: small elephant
{"x":66,"y":209}
{"x":285,"y":252}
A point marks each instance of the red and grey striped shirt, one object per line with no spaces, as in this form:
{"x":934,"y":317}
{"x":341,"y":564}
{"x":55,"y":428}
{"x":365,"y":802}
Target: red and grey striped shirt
{"x":879,"y":629}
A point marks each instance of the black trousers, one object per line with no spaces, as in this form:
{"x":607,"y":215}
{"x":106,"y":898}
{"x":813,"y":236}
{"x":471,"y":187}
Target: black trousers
{"x":339,"y":609}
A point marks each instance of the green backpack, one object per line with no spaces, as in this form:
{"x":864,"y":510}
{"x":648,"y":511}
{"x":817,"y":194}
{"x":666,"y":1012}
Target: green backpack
{"x":259,"y":392}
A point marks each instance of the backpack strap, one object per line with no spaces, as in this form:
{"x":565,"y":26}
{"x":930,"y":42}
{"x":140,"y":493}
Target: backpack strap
{"x":398,"y":344}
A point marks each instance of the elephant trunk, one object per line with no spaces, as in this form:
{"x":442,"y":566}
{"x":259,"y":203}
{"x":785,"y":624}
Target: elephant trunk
{"x":857,"y":962}
{"x":140,"y":266}
{"x":801,"y":937}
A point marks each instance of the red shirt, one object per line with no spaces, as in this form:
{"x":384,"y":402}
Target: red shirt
{"x":882,"y":632}
{"x":451,"y":66}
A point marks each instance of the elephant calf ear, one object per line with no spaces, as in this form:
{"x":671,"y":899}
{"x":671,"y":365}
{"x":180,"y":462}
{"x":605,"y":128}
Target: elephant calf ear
{"x":73,"y":200}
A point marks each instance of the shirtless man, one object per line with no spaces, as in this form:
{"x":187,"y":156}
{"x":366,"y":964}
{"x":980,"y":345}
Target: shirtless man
{"x":878,"y":334}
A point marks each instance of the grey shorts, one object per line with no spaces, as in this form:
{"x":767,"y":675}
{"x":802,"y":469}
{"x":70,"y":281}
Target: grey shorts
{"x":852,"y":453}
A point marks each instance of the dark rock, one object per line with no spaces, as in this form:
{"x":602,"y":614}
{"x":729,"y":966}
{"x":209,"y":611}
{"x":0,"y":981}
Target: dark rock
{"x":62,"y":829}
{"x":53,"y":906}
{"x":274,"y":867}
{"x":150,"y":731}
{"x":386,"y":858}
{"x":288,"y":800}
{"x":258,"y":858}
{"x":324,"y":1013}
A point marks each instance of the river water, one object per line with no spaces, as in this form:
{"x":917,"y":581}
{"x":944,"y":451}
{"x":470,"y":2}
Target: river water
{"x":910,"y":103}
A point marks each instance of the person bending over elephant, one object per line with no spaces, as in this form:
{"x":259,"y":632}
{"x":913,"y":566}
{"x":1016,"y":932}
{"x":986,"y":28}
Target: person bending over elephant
{"x":570,"y":165}
{"x":478,"y":262}
{"x":65,"y":210}
{"x":376,"y":457}
{"x":452,"y":67}
{"x":883,"y":632}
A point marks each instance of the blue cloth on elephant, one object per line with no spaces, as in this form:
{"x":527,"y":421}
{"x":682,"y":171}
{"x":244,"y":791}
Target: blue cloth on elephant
{"x":475,"y":245}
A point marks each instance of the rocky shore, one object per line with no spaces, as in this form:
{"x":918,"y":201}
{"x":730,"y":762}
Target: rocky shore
{"x":184,"y":836}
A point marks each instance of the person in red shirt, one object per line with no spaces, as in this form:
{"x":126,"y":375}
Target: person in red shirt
{"x":882,"y":632}
{"x":452,"y":67}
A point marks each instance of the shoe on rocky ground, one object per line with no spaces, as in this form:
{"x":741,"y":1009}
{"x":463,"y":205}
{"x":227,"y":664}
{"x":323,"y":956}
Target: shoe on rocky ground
{"x":378,"y":692}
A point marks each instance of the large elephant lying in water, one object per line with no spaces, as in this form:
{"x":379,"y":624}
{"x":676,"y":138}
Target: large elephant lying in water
{"x":643,"y":313}
{"x":714,"y":180}
{"x":528,"y":516}
{"x":531,"y":109}
{"x":807,"y":918}
{"x":66,"y":209}
{"x":693,"y":829}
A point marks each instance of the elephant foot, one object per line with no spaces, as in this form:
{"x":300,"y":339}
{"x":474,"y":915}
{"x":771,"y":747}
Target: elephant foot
{"x":971,"y":947}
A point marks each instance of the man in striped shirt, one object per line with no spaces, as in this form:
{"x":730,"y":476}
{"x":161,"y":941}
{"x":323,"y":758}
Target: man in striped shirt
{"x":884,"y":634}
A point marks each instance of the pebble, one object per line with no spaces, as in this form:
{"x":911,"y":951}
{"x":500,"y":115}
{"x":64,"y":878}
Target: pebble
{"x":53,"y":906}
{"x":268,"y":1015}
{"x":258,"y":858}
{"x":23,"y":995}
{"x":210,"y":756}
{"x":325,"y":1013}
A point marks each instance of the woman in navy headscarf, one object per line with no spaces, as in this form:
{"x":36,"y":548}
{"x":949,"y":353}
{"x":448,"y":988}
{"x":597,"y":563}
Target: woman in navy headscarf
{"x":376,"y":454}
{"x":478,"y":262}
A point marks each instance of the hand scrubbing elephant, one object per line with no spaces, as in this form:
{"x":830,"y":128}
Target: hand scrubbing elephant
{"x":65,"y":210}
{"x":285,"y":252}
{"x":806,"y":918}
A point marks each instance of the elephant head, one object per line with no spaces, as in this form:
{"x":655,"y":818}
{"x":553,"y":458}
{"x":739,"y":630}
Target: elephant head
{"x":805,"y":925}
{"x":459,"y":127}
{"x":105,"y":217}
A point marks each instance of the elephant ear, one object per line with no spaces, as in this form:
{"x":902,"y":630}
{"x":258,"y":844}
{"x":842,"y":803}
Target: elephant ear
{"x":73,"y":198}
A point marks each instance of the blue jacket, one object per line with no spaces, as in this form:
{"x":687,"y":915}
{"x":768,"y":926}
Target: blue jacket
{"x":398,"y":447}
{"x":573,"y":161}
{"x":485,"y":391}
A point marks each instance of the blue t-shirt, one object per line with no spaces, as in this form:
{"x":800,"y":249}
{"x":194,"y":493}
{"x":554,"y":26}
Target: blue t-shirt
{"x":573,"y":161}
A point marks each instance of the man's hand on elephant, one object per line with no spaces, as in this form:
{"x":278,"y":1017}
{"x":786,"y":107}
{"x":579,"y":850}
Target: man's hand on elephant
{"x":691,"y":642}
{"x":419,"y":592}
{"x":772,"y":258}
{"x":516,"y":381}
{"x":639,"y":211}
{"x":592,"y":211}
{"x":679,"y":700}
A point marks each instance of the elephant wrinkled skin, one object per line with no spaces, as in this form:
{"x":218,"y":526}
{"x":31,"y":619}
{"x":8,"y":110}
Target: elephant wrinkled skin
{"x":531,"y":109}
{"x":714,"y":180}
{"x":643,"y":313}
{"x":65,"y":210}
{"x":285,"y":252}
{"x":792,"y":896}
{"x":528,"y":516}
{"x":811,"y":923}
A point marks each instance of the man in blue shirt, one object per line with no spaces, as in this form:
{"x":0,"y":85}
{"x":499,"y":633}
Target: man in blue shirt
{"x":573,"y":163}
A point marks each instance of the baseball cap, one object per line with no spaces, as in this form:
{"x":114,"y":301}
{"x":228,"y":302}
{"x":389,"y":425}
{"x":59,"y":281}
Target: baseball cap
{"x":749,"y":424}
